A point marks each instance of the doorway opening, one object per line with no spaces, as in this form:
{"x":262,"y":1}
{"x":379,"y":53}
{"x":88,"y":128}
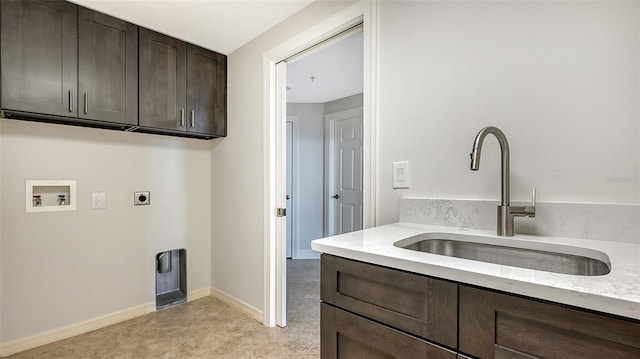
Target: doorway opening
{"x":324,"y":143}
{"x":323,"y":146}
{"x":362,"y":170}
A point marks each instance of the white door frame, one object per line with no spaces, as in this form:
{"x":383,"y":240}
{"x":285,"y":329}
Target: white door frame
{"x":363,"y":12}
{"x":329,"y":165}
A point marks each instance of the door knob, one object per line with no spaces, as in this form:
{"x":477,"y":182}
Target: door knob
{"x":335,"y":196}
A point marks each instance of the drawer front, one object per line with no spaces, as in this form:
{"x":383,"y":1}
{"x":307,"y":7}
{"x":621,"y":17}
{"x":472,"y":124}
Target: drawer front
{"x":347,"y":336}
{"x":417,"y":304}
{"x":495,"y":325}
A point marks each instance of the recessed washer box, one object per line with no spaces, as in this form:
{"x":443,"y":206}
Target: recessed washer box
{"x":50,"y":195}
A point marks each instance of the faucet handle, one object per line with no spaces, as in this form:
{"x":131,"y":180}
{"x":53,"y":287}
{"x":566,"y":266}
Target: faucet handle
{"x":531,"y":210}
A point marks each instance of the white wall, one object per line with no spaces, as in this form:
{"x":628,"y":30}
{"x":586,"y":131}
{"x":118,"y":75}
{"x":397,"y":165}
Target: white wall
{"x":237,"y":247}
{"x":59,"y":269}
{"x":561,"y":79}
{"x":309,"y":176}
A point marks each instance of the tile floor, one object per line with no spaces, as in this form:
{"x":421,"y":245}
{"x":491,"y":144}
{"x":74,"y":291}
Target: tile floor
{"x":207,"y":328}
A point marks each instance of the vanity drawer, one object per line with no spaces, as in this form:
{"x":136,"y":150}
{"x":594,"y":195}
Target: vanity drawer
{"x":423,"y":306}
{"x":346,"y":335}
{"x":497,"y":325}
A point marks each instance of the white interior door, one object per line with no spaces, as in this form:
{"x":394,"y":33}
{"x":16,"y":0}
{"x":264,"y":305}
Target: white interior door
{"x":345,"y":171}
{"x":280,"y":195}
{"x":290,"y":171}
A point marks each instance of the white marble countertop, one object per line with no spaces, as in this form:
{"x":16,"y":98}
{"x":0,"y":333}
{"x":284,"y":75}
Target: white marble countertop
{"x":616,"y":293}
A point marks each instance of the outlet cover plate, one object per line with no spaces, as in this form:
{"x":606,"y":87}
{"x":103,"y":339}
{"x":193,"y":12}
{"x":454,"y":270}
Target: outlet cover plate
{"x":98,"y":200}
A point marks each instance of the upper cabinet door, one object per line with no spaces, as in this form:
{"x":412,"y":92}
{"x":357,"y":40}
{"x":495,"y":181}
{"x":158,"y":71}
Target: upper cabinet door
{"x":163,"y":81}
{"x":108,"y":68}
{"x":206,"y":91}
{"x":39,"y":56}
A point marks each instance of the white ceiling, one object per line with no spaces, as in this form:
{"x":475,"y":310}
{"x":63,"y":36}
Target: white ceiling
{"x":337,"y":72}
{"x":219,"y":25}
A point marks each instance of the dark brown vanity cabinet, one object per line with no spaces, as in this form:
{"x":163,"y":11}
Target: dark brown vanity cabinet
{"x":182,"y":86}
{"x":347,"y":336}
{"x":40,"y":56}
{"x":496,"y":325}
{"x":369,"y":311}
{"x":396,"y":314}
{"x":108,"y":68}
{"x":59,"y":59}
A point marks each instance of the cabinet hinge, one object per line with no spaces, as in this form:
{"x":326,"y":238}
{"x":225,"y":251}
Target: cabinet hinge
{"x":282,"y":212}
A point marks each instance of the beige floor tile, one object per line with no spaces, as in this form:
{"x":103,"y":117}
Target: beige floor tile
{"x":207,"y":329}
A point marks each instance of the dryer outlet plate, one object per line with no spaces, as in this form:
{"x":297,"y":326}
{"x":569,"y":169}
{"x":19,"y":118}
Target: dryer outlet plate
{"x":142,"y":198}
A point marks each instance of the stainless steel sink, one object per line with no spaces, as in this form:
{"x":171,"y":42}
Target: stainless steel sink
{"x":532,"y":255}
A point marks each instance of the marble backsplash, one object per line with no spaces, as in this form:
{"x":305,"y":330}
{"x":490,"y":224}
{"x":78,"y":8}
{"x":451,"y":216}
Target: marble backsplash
{"x":607,"y":222}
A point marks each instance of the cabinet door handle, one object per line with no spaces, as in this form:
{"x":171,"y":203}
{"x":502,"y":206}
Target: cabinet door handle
{"x":86,"y":104}
{"x":182,"y":117}
{"x":193,"y":118}
{"x":70,"y":101}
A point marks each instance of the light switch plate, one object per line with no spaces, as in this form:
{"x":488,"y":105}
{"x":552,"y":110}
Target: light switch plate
{"x":98,"y":200}
{"x":401,"y":174}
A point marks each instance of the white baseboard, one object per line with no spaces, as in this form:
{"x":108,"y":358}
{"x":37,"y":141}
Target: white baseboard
{"x":246,"y":308}
{"x":69,"y":331}
{"x":306,"y":254}
{"x":72,"y":330}
{"x":197,"y":294}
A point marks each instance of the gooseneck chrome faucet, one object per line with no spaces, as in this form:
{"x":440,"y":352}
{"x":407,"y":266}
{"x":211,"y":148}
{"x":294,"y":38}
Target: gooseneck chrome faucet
{"x":506,"y":212}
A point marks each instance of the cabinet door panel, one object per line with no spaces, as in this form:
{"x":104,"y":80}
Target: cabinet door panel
{"x":345,"y":335}
{"x":162,"y":81}
{"x":423,"y":306}
{"x":108,"y":68}
{"x":494,"y":325}
{"x":206,"y":91}
{"x":39,"y":56}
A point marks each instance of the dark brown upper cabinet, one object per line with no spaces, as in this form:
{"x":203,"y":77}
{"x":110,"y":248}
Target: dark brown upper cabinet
{"x":206,"y":91}
{"x":108,"y":68}
{"x":39,"y":56}
{"x":66,"y":64}
{"x":182,"y":86}
{"x":59,"y":59}
{"x":163,"y":81}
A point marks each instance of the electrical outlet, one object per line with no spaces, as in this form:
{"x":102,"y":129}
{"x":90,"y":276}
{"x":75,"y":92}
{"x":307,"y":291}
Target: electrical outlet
{"x":142,"y":198}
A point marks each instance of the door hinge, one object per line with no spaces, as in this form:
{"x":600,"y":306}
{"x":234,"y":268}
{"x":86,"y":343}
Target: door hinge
{"x":282,"y":212}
